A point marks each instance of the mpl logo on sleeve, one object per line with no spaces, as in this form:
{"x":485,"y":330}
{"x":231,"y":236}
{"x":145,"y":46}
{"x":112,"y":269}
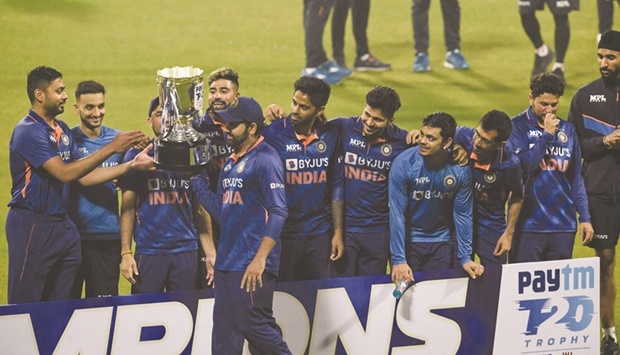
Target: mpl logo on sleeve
{"x":549,"y":308}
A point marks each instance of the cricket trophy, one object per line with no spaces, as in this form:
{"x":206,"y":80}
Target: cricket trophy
{"x":181,"y":95}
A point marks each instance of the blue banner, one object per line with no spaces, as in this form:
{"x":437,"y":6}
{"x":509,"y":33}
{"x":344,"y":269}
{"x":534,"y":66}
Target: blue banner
{"x":544,"y":308}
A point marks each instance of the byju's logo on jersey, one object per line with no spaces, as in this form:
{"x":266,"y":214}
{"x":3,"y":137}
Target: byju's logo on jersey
{"x":291,"y":164}
{"x":386,"y":150}
{"x":153,"y":184}
{"x":350,"y":158}
{"x":598,"y":98}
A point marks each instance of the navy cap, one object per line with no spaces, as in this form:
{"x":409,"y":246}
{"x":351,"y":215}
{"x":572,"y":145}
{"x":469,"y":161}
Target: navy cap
{"x":153,"y":105}
{"x":247,"y":109}
{"x":610,"y":40}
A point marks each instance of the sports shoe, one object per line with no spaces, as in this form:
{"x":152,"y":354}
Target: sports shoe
{"x":322,"y":74}
{"x":422,"y":63}
{"x":609,"y":346}
{"x":541,"y":63}
{"x":455,"y":60}
{"x":559,"y":72}
{"x":333,"y":69}
{"x":369,"y":62}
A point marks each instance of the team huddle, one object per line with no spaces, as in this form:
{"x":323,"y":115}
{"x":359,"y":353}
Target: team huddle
{"x":305,"y":197}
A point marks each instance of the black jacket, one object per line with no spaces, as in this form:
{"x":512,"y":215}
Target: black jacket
{"x":595,"y":112}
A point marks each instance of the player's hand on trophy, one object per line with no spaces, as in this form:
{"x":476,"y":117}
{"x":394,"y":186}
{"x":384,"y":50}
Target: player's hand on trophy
{"x":473,"y":269}
{"x":143,"y":161}
{"x":125,"y":140}
{"x":273,"y":112}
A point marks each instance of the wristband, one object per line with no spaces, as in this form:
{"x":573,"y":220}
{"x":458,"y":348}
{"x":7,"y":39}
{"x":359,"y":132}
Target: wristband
{"x":126,"y":252}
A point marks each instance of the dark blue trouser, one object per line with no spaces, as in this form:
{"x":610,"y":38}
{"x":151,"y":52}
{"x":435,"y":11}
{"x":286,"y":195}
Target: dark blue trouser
{"x":422,"y":256}
{"x":542,"y":246}
{"x":169,"y":272}
{"x":239,"y":315}
{"x":305,"y":258}
{"x":484,"y":246}
{"x":364,"y":254}
{"x":44,"y":254}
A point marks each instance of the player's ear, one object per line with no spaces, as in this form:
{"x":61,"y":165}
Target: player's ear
{"x":447,"y":143}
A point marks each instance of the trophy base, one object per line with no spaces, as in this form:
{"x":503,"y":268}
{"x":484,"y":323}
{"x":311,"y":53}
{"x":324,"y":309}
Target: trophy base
{"x":170,"y":155}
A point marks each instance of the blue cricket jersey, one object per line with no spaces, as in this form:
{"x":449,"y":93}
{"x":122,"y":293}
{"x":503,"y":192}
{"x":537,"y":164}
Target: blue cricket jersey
{"x":219,"y":148}
{"x":250,"y":204}
{"x":164,"y":222}
{"x":366,"y":170}
{"x":94,"y":209}
{"x":313,"y":175}
{"x":34,"y":142}
{"x":429,"y":205}
{"x":492,"y":184}
{"x":554,"y":189}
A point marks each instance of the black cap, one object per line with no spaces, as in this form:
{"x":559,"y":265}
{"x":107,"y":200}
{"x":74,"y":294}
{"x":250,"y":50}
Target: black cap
{"x":153,"y":105}
{"x":247,"y":109}
{"x":610,"y":40}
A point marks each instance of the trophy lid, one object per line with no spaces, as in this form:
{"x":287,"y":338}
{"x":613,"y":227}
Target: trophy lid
{"x":180,"y":72}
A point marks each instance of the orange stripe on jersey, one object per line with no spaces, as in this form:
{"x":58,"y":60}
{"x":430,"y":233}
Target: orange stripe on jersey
{"x":57,"y":132}
{"x":27,"y":176}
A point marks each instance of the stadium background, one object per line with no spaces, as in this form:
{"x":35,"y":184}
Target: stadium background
{"x":123,"y":43}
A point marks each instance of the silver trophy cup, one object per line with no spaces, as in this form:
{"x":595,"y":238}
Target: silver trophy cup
{"x":180,"y":146}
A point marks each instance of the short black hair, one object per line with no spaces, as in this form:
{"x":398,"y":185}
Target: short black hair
{"x":317,"y":90}
{"x":40,"y":78}
{"x":153,"y":105}
{"x":224,"y":73}
{"x":443,"y":121}
{"x":385,"y":99}
{"x":546,"y":83}
{"x":498,"y":121}
{"x":88,"y":87}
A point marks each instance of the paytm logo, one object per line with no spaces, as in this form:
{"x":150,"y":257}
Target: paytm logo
{"x":598,"y":98}
{"x":567,"y":278}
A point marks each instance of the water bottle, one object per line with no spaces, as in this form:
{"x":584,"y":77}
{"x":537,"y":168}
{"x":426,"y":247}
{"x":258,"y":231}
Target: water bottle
{"x":400,"y":289}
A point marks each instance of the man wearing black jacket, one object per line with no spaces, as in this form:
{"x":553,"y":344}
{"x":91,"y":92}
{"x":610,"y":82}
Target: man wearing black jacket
{"x":595,"y":112}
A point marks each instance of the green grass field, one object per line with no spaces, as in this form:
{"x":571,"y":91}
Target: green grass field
{"x":123,"y":43}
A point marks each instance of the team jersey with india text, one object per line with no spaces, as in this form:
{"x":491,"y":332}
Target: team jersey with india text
{"x":554,"y":189}
{"x":250,"y":204}
{"x":219,"y":148}
{"x":313,"y":174}
{"x":34,"y":142}
{"x":366,"y":169}
{"x":493,"y":183}
{"x":94,"y":209}
{"x":429,"y":205}
{"x":164,"y":222}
